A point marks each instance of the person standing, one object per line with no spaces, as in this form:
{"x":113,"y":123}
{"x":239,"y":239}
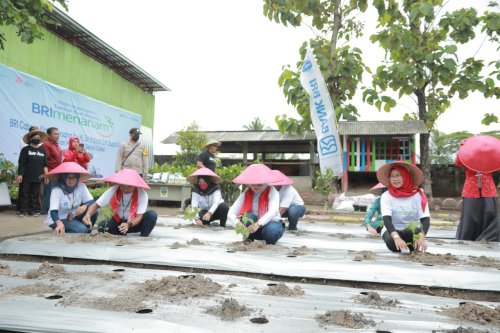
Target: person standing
{"x":207,"y":158}
{"x":32,"y":166}
{"x":76,"y":153}
{"x":133,"y":155}
{"x":291,"y":204}
{"x":54,"y":159}
{"x":20,"y":185}
{"x":480,"y":217}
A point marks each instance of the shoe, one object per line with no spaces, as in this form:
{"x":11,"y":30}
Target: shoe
{"x":22,"y":214}
{"x":36,"y":214}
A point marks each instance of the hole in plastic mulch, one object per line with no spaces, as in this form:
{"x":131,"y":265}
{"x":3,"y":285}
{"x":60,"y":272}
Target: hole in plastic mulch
{"x":428,"y":264}
{"x":291,"y":256}
{"x":272,"y":284}
{"x":462,"y":303}
{"x":118,"y":244}
{"x":54,"y":297}
{"x":187,"y":276}
{"x":144,"y":311}
{"x":119,"y":270}
{"x":230,"y":251}
{"x":378,"y":331}
{"x":259,"y":320}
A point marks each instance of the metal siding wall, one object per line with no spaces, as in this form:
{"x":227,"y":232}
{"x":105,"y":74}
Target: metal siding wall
{"x":60,"y":63}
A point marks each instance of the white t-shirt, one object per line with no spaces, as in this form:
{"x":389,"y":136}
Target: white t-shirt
{"x":289,"y":196}
{"x":124,"y":206}
{"x":272,"y":211}
{"x":209,"y":202}
{"x":403,"y":210}
{"x":66,"y":203}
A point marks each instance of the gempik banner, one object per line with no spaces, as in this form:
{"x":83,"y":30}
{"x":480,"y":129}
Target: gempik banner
{"x":29,"y":101}
{"x":322,"y":116}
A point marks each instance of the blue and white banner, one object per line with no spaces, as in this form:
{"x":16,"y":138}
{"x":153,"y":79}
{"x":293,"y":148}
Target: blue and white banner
{"x":322,"y":116}
{"x":26,"y":101}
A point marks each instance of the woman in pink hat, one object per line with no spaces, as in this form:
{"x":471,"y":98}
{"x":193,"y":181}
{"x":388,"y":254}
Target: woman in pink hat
{"x":260,"y":202}
{"x":480,"y":217}
{"x":207,"y":197}
{"x":402,"y":205}
{"x":291,"y":204}
{"x":129,"y":202}
{"x":76,"y":153}
{"x":374,"y":226}
{"x":69,"y":200}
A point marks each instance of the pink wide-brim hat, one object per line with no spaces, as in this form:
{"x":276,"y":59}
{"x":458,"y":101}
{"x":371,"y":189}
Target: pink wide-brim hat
{"x":256,"y":174}
{"x":481,"y":153}
{"x":127,"y":177}
{"x":377,"y":189}
{"x":283,"y":179}
{"x":416,"y":174}
{"x":193,"y":178}
{"x":67,"y":167}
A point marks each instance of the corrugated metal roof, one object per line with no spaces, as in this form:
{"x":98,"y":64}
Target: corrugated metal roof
{"x":388,"y":127}
{"x":72,"y":32}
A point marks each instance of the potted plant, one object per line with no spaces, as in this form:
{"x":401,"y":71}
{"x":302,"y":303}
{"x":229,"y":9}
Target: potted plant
{"x":8,"y":171}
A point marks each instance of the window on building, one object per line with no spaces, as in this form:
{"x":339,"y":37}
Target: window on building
{"x":405,"y":149}
{"x":380,"y":148}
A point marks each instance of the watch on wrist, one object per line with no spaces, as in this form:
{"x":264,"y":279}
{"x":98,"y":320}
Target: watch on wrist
{"x":395,"y":237}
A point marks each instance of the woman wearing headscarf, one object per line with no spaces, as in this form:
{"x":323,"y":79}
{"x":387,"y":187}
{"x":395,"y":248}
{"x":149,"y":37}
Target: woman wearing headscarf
{"x":69,"y":200}
{"x":129,"y":202}
{"x":76,"y":153}
{"x":207,"y":197}
{"x":480,"y":217}
{"x":404,"y":207}
{"x":374,"y":225}
{"x":260,"y":202}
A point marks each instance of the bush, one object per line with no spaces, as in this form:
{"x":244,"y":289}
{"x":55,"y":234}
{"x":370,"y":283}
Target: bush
{"x":8,"y":170}
{"x":97,"y":191}
{"x":230,"y":190}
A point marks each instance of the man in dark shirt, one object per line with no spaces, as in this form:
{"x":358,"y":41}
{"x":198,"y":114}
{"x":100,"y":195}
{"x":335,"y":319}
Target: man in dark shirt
{"x":32,"y":166}
{"x":54,"y":159}
{"x":207,"y":158}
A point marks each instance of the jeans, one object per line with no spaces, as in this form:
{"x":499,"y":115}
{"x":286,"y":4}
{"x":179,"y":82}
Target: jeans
{"x":147,"y":224}
{"x":294,"y":212}
{"x":76,"y":225}
{"x":271,"y":232}
{"x":46,"y":197}
{"x":219,"y":214}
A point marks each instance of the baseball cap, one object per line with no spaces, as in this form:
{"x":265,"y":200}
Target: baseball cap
{"x":135,"y":130}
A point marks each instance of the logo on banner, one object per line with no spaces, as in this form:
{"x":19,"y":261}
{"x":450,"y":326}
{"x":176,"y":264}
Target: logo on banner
{"x":307,"y":66}
{"x":328,"y":145}
{"x":19,"y":79}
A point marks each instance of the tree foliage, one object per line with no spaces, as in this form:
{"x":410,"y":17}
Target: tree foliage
{"x":256,"y":124}
{"x":342,"y":66}
{"x":28,"y":16}
{"x":192,"y":142}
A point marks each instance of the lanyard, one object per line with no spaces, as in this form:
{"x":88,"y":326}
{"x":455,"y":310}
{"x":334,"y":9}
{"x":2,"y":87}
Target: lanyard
{"x":72,"y":201}
{"x":121,"y":204}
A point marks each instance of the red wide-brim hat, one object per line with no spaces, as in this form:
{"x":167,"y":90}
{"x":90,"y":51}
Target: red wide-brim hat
{"x":283,"y":179}
{"x":377,"y":189}
{"x":383,"y":172}
{"x":68,"y":167}
{"x":481,"y":153}
{"x":256,"y":174}
{"x":193,"y":178}
{"x":127,"y":177}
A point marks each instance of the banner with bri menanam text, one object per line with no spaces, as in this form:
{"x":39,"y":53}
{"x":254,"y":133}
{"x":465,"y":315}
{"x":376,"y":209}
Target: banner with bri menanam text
{"x":26,"y":101}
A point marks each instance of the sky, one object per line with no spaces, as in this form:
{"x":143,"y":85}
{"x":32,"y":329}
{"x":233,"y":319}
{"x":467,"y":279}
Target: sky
{"x":222,"y":60}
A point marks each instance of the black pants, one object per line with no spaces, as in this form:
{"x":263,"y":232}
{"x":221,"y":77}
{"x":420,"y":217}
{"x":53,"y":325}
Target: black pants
{"x":219,"y":214}
{"x":30,"y":191}
{"x":480,"y":219}
{"x":405,"y":235}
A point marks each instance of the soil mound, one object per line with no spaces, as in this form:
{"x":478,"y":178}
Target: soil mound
{"x":475,"y":313}
{"x":461,"y":329}
{"x":483,"y":261}
{"x":431,"y":259}
{"x":345,"y":318}
{"x":229,"y":309}
{"x":195,"y":241}
{"x":39,"y":289}
{"x":178,"y":245}
{"x":365,"y":255}
{"x":281,"y":289}
{"x":4,"y":269}
{"x":47,"y":270}
{"x":374,"y":299}
{"x":301,"y":251}
{"x":341,"y":235}
{"x":252,"y":246}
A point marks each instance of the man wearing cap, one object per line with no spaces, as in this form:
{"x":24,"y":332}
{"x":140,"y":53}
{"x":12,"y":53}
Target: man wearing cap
{"x":129,"y":202}
{"x":207,"y":158}
{"x":291,"y":204}
{"x":54,"y":159}
{"x":133,"y":155}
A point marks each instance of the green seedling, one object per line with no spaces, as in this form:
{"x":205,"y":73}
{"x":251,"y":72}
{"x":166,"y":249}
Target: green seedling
{"x":190,"y":213}
{"x":413,"y":226}
{"x":242,"y":229}
{"x":105,"y":213}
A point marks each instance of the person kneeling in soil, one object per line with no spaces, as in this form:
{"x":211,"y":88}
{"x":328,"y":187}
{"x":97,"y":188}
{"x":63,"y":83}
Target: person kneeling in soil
{"x":374,"y":226}
{"x":260,"y":202}
{"x":207,"y":197}
{"x":291,"y":204}
{"x":402,"y":206}
{"x":128,"y":202}
{"x":69,"y":200}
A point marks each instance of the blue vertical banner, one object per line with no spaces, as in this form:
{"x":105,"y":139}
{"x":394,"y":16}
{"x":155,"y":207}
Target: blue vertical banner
{"x":322,"y":116}
{"x":26,"y":101}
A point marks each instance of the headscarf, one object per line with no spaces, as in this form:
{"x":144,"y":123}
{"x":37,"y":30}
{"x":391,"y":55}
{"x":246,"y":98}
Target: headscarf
{"x":246,"y":207}
{"x":70,"y":143}
{"x":408,"y":188}
{"x":61,"y":182}
{"x":212,"y":187}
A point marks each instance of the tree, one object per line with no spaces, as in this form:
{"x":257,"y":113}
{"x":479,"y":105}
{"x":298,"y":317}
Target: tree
{"x":256,"y":124}
{"x":341,"y":66}
{"x":28,"y":16}
{"x":443,"y":147}
{"x":192,"y":143}
{"x":422,"y":61}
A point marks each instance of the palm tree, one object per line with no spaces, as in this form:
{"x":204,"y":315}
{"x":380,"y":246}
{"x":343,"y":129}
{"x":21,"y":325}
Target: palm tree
{"x":256,"y":125}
